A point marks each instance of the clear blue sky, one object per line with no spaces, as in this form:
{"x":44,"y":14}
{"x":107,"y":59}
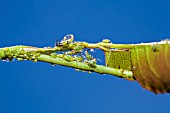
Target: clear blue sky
{"x":27,"y":87}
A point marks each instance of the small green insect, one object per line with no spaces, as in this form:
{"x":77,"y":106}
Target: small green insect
{"x":91,"y":63}
{"x":53,"y":55}
{"x":88,"y":56}
{"x":60,"y":55}
{"x":78,"y":47}
{"x":68,"y":58}
{"x":78,"y":58}
{"x":106,"y":41}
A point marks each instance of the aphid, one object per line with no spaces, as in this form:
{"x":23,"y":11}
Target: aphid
{"x":60,"y":55}
{"x":106,"y":41}
{"x":53,"y":55}
{"x":94,"y":61}
{"x":91,"y":63}
{"x":68,"y":58}
{"x":78,"y":58}
{"x":35,"y":60}
{"x":20,"y":59}
{"x":149,"y":62}
{"x":87,"y":55}
{"x":78,"y":47}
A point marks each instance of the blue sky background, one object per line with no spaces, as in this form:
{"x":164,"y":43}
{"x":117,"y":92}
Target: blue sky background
{"x":27,"y":87}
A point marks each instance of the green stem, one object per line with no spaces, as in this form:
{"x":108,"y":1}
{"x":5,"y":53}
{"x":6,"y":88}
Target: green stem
{"x":44,"y":55}
{"x":83,"y":66}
